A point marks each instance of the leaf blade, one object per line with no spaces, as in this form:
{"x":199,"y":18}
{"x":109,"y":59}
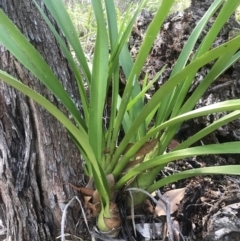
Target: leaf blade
{"x":19,"y":46}
{"x":226,"y":148}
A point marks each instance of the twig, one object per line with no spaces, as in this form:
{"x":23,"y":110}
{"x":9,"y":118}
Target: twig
{"x":149,"y":195}
{"x":64,"y":215}
{"x":132,"y":214}
{"x":168,"y":217}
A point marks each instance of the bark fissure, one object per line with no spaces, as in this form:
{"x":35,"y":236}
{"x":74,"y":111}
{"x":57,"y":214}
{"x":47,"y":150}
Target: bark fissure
{"x":36,"y":154}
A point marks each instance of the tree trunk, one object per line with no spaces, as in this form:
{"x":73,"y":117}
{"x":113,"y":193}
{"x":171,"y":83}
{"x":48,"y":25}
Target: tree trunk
{"x":37,"y":157}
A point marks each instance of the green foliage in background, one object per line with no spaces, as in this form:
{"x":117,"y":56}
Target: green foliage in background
{"x":148,"y":127}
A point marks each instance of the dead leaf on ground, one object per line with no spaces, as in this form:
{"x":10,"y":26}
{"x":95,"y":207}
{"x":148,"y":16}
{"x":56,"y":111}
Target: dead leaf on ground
{"x":174,"y":197}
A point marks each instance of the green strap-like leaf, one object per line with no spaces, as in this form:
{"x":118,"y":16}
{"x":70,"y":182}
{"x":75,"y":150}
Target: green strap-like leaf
{"x":149,"y":38}
{"x":173,"y":102}
{"x":64,"y":22}
{"x":112,"y":22}
{"x":218,"y":107}
{"x":79,"y":134}
{"x":169,"y":85}
{"x":205,"y":83}
{"x":225,"y":13}
{"x":144,"y":90}
{"x":227,"y":170}
{"x":121,"y":54}
{"x":209,"y":129}
{"x":219,"y":67}
{"x":113,"y":77}
{"x":71,"y":62}
{"x":19,"y":46}
{"x":98,"y":83}
{"x":188,"y":47}
{"x":226,"y":148}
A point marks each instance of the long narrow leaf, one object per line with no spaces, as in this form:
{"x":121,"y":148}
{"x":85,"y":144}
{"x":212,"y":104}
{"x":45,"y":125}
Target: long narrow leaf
{"x":167,"y":88}
{"x":98,"y":83}
{"x":188,"y":47}
{"x":151,"y":33}
{"x":214,"y":73}
{"x":79,"y":134}
{"x":177,"y":96}
{"x":209,"y":129}
{"x":114,"y":75}
{"x":112,"y":22}
{"x":227,"y":170}
{"x":63,"y":20}
{"x":71,"y":61}
{"x":222,"y":65}
{"x":228,"y":8}
{"x":218,"y":107}
{"x":226,"y":148}
{"x":205,"y":83}
{"x":121,"y":53}
{"x":145,"y":89}
{"x":19,"y":46}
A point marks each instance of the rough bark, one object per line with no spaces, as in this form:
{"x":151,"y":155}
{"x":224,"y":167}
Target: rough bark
{"x":37,"y":157}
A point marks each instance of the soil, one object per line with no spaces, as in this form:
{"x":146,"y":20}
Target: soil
{"x":205,"y":196}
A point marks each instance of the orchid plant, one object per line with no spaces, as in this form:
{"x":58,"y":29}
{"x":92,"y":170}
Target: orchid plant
{"x":112,"y":163}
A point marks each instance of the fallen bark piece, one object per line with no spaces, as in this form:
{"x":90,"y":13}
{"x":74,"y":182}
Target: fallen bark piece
{"x":224,"y":225}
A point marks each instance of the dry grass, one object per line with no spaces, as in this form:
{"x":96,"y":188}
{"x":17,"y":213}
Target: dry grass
{"x":83,"y":16}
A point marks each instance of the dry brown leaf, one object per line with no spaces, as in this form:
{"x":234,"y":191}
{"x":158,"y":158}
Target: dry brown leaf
{"x":95,"y":197}
{"x":144,"y":150}
{"x":174,"y":197}
{"x":106,"y":151}
{"x":85,"y":191}
{"x":173,"y":143}
{"x":131,"y":164}
{"x":148,"y":207}
{"x":147,"y":147}
{"x":135,"y":30}
{"x":86,"y":200}
{"x":95,"y":208}
{"x":111,"y":181}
